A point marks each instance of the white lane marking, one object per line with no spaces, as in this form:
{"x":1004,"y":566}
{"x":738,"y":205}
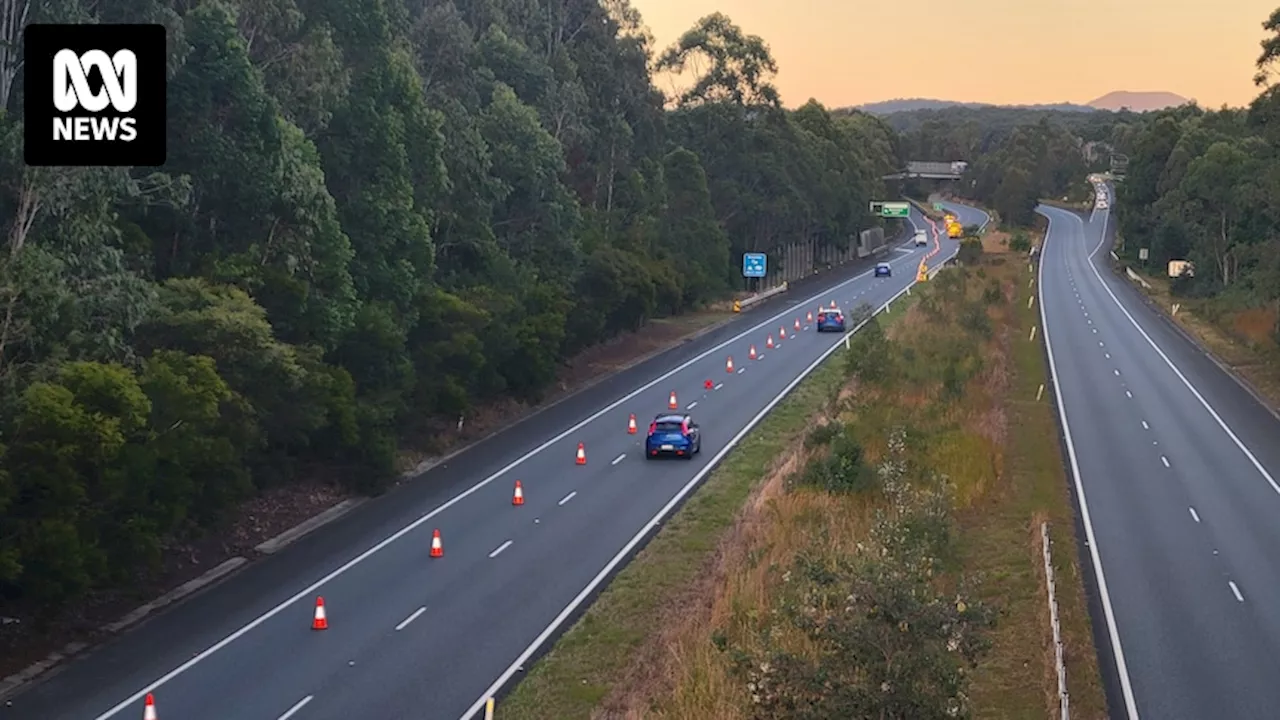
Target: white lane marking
{"x":1164,"y":460}
{"x":567,"y":498}
{"x":501,"y":547}
{"x":691,"y":405}
{"x":1100,"y":344}
{"x":1117,"y":372}
{"x":405,"y":623}
{"x":518,"y":664}
{"x":618,"y":459}
{"x":1108,"y":355}
{"x":1235,"y":590}
{"x":1187,"y":383}
{"x":1117,"y":651}
{"x":293,"y":710}
{"x":306,"y":592}
{"x":1095,"y":331}
{"x":719,"y":385}
{"x":1194,"y":515}
{"x":741,"y":370}
{"x":1128,"y":394}
{"x":1145,"y":426}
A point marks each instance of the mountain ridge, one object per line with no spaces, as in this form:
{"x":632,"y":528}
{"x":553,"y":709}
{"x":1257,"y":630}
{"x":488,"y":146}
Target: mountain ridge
{"x":1136,"y":101}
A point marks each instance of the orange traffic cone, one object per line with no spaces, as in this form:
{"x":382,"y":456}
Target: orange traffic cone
{"x":671,"y":402}
{"x":518,"y":498}
{"x":797,"y":324}
{"x":321,"y":621}
{"x":631,"y":424}
{"x":769,"y":342}
{"x":728,"y":364}
{"x":149,"y":709}
{"x":437,"y":547}
{"x":782,"y":333}
{"x":752,"y":355}
{"x":808,"y":317}
{"x":833,"y":304}
{"x":582,"y":455}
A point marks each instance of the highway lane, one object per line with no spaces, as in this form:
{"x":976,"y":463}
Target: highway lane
{"x":1175,"y":466}
{"x":967,"y":215}
{"x":421,"y":637}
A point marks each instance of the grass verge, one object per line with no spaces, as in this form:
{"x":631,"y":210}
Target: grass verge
{"x":1239,"y":338}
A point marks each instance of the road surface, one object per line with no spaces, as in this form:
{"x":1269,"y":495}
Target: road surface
{"x":1175,"y":467}
{"x":415,"y":637}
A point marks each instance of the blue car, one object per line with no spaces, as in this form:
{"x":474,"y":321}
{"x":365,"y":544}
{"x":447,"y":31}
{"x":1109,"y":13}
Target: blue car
{"x":673,"y":435}
{"x":830,"y":321}
{"x":884,"y":270}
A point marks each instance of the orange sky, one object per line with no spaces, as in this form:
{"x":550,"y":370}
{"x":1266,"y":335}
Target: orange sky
{"x":846,"y":52}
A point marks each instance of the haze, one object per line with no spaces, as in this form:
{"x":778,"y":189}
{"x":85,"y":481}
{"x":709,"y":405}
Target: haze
{"x":997,"y":51}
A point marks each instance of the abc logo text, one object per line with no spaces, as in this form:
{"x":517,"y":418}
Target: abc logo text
{"x":71,"y":91}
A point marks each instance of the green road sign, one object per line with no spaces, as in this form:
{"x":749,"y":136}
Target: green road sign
{"x":891,"y":209}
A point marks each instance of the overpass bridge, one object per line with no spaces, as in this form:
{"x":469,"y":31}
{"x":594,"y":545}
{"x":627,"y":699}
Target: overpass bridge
{"x":930,"y":171}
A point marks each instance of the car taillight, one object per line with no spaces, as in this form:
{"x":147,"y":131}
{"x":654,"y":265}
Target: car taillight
{"x":653,"y":427}
{"x":684,"y":429}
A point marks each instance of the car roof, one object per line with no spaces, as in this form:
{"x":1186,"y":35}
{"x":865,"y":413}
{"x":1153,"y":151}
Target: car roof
{"x":667,"y":417}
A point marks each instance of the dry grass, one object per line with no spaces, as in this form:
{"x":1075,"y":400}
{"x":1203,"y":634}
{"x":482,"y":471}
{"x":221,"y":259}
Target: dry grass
{"x":1239,"y":339}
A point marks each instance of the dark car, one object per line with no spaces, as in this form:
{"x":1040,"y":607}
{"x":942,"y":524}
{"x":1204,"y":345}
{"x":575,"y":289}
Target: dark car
{"x":673,"y":435}
{"x":884,"y":270}
{"x":830,"y":321}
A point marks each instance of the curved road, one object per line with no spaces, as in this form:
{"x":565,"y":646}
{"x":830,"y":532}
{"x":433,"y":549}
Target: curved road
{"x":1175,"y":466}
{"x":415,"y":637}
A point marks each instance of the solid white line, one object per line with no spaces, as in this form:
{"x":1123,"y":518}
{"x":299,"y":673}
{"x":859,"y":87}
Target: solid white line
{"x":1122,"y":668}
{"x":1164,"y":460}
{"x":306,"y":592}
{"x":1194,"y":515}
{"x":618,"y":459}
{"x":1187,"y":383}
{"x":501,"y":547}
{"x":405,"y":623}
{"x":1235,"y":590}
{"x":293,"y":710}
{"x":518,"y":665}
{"x":570,"y":496}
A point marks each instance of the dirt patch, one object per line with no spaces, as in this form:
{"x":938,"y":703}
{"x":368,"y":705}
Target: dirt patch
{"x":995,"y":241}
{"x":26,"y":639}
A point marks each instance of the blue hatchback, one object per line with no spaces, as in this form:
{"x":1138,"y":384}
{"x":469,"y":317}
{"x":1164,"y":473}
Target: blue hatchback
{"x":673,"y":435}
{"x":830,"y":321}
{"x":884,"y":270}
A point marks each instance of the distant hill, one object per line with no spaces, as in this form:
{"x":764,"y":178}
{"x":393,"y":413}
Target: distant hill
{"x":888,"y":107}
{"x":1138,"y":101}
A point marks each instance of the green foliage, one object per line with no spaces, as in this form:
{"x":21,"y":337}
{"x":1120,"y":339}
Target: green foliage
{"x":840,"y":468}
{"x":869,"y":358}
{"x":376,"y":215}
{"x":1020,"y":242}
{"x":970,"y":252}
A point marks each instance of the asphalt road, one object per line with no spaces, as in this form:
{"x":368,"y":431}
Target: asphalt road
{"x":415,"y":637}
{"x":1175,"y":466}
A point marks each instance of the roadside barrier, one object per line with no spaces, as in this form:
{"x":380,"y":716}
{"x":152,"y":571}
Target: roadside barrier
{"x":1064,"y":699}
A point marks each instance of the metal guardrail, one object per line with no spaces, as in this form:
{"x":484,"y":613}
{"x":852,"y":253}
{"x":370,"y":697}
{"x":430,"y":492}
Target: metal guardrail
{"x":1064,"y":698}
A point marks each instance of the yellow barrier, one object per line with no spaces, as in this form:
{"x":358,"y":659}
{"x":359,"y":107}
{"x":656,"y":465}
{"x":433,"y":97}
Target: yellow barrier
{"x":737,"y":306}
{"x":488,"y":710}
{"x":922,"y":275}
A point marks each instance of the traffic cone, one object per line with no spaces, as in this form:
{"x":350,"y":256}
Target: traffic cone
{"x":728,"y":364}
{"x":149,"y":709}
{"x":437,"y":547}
{"x":769,"y":342}
{"x":752,"y":354}
{"x":320,"y":622}
{"x":797,"y":324}
{"x":708,"y":384}
{"x":782,"y":333}
{"x":631,"y":424}
{"x":671,"y":402}
{"x":582,"y":455}
{"x":518,"y":498}
{"x":833,"y":304}
{"x":808,"y":317}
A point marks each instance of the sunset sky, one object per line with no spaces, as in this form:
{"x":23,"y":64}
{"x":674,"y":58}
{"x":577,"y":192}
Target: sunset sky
{"x":847,"y":52}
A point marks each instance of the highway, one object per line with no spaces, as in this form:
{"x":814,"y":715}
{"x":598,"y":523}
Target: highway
{"x":1175,"y":466}
{"x":412,"y":636}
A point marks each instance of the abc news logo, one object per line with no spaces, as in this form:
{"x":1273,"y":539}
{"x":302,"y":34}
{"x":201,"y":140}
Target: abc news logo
{"x":105,"y":101}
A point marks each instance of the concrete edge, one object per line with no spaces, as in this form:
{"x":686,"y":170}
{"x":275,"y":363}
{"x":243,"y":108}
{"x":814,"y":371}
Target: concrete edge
{"x":306,"y":526}
{"x":14,"y":682}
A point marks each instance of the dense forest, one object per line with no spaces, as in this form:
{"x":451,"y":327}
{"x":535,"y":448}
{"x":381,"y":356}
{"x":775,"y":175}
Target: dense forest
{"x":1205,"y":186}
{"x":1016,"y":156}
{"x":374,"y":212}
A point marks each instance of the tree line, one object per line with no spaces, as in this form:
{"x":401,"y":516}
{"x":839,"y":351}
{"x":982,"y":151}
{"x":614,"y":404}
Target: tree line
{"x":375,"y":213}
{"x":1204,"y":185}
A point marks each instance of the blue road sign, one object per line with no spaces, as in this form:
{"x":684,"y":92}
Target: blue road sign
{"x":754,"y":265}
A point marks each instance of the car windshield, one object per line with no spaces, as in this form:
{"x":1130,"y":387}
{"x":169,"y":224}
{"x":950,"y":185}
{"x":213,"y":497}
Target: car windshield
{"x":667,"y":426}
